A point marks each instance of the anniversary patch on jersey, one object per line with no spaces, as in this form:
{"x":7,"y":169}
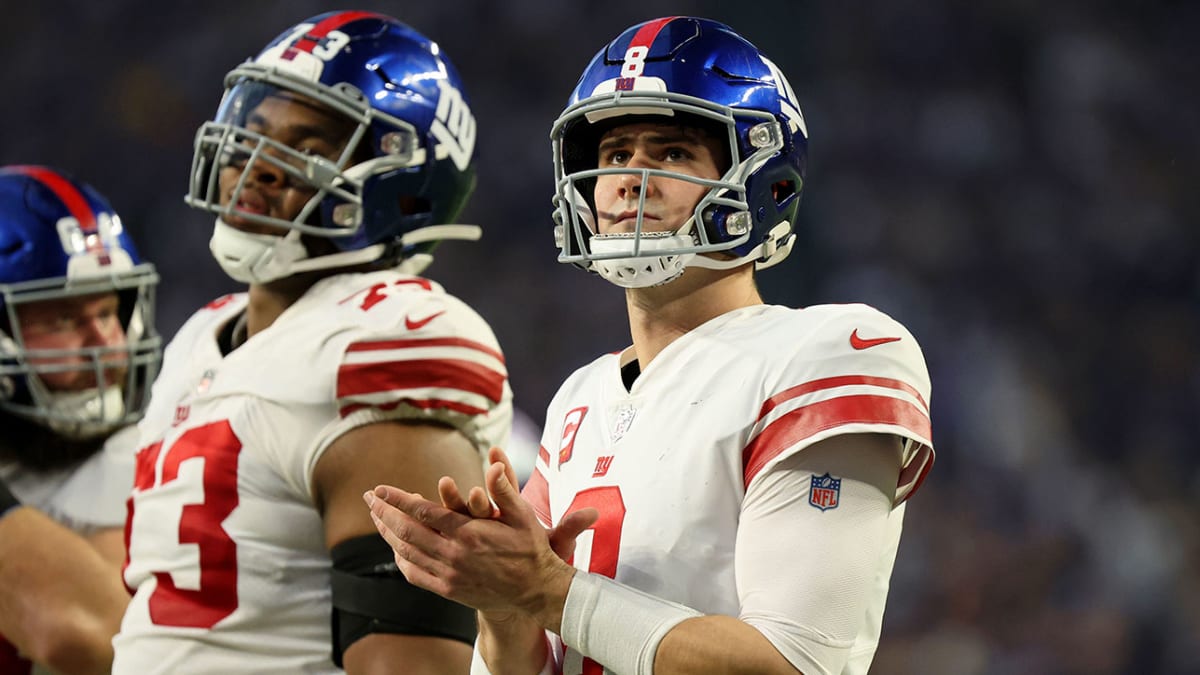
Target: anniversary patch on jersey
{"x":571,"y":423}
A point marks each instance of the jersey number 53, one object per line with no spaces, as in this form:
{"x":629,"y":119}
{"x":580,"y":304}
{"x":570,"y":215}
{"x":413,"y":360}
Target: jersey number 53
{"x":216,"y":449}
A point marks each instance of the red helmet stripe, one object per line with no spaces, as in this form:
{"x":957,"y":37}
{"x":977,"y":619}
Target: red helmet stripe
{"x":62,"y":188}
{"x":647,"y":33}
{"x":307,"y":41}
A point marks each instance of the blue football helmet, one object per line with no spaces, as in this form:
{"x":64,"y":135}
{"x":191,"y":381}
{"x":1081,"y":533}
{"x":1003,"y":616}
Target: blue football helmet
{"x":404,"y":173}
{"x":698,"y":73}
{"x":60,"y":239}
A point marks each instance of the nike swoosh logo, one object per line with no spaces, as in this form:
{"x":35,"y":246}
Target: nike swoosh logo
{"x":860,"y":343}
{"x":420,"y":323}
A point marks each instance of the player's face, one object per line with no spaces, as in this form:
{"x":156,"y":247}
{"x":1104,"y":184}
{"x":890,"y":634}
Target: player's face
{"x":648,"y":145}
{"x":299,"y":123}
{"x":73,"y":324}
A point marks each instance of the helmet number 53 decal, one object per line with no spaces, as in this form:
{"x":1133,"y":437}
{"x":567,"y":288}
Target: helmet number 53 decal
{"x":325,"y":48}
{"x":329,"y":46}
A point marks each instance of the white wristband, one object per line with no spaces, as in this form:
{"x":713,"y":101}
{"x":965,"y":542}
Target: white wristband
{"x":617,"y":626}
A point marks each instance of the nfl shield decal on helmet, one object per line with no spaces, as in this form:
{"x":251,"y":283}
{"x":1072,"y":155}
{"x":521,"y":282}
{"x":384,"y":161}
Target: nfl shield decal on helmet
{"x":824,"y":492}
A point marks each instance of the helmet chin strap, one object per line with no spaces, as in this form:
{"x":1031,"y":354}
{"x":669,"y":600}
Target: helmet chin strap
{"x":262,"y":258}
{"x":255,"y":258}
{"x":416,"y":263}
{"x":78,"y":414}
{"x":644,"y":271}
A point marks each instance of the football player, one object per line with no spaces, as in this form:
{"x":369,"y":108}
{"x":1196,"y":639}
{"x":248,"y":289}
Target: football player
{"x":338,"y":158}
{"x":78,"y":351}
{"x":743,"y":467}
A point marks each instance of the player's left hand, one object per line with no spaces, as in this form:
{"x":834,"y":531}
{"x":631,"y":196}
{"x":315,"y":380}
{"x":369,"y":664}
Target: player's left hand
{"x":495,"y":560}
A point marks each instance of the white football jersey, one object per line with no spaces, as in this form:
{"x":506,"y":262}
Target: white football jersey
{"x":669,"y":462}
{"x":86,"y":497}
{"x":227,"y":556}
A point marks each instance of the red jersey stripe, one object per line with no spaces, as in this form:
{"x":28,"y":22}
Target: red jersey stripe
{"x":537,"y":493}
{"x":803,"y":422}
{"x":543,"y":455}
{"x":425,"y":342}
{"x":372,"y":378}
{"x":840,"y":381}
{"x":423,"y":404}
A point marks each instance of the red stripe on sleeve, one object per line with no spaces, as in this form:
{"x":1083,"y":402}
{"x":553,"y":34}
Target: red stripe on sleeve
{"x":537,"y":493}
{"x":543,"y":455}
{"x":840,"y":381}
{"x":803,"y":422}
{"x":915,"y":471}
{"x":372,"y":378}
{"x":647,"y":34}
{"x":422,"y":403}
{"x":425,"y":342}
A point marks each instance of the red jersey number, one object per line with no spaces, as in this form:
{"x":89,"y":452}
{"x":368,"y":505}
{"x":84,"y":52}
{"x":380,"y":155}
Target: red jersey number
{"x":218,"y":448}
{"x":606,"y":538}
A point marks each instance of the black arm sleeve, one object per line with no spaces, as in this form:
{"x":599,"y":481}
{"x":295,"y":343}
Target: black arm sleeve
{"x":371,"y":595}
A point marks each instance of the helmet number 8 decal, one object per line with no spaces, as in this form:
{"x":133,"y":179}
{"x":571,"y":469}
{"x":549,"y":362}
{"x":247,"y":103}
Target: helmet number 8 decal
{"x":635,"y":61}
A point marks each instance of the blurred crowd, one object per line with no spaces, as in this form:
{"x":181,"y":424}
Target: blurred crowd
{"x":1010,"y":179}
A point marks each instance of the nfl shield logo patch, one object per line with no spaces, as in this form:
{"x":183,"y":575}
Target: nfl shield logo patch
{"x":824,"y":492}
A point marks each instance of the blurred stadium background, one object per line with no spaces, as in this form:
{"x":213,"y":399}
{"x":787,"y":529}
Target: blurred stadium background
{"x":1014,"y":180}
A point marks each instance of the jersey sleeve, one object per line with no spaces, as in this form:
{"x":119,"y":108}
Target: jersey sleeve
{"x":823,"y":606}
{"x":857,"y":371}
{"x":439,"y":362}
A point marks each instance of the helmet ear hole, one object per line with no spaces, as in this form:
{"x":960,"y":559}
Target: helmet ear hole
{"x":782,"y":190}
{"x":411,"y":205}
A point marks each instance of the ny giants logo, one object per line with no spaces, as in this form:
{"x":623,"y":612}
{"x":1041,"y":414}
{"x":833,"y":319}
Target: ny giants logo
{"x":571,"y":423}
{"x":787,"y":99}
{"x":603,"y":464}
{"x":454,"y":127}
{"x":824,"y":492}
